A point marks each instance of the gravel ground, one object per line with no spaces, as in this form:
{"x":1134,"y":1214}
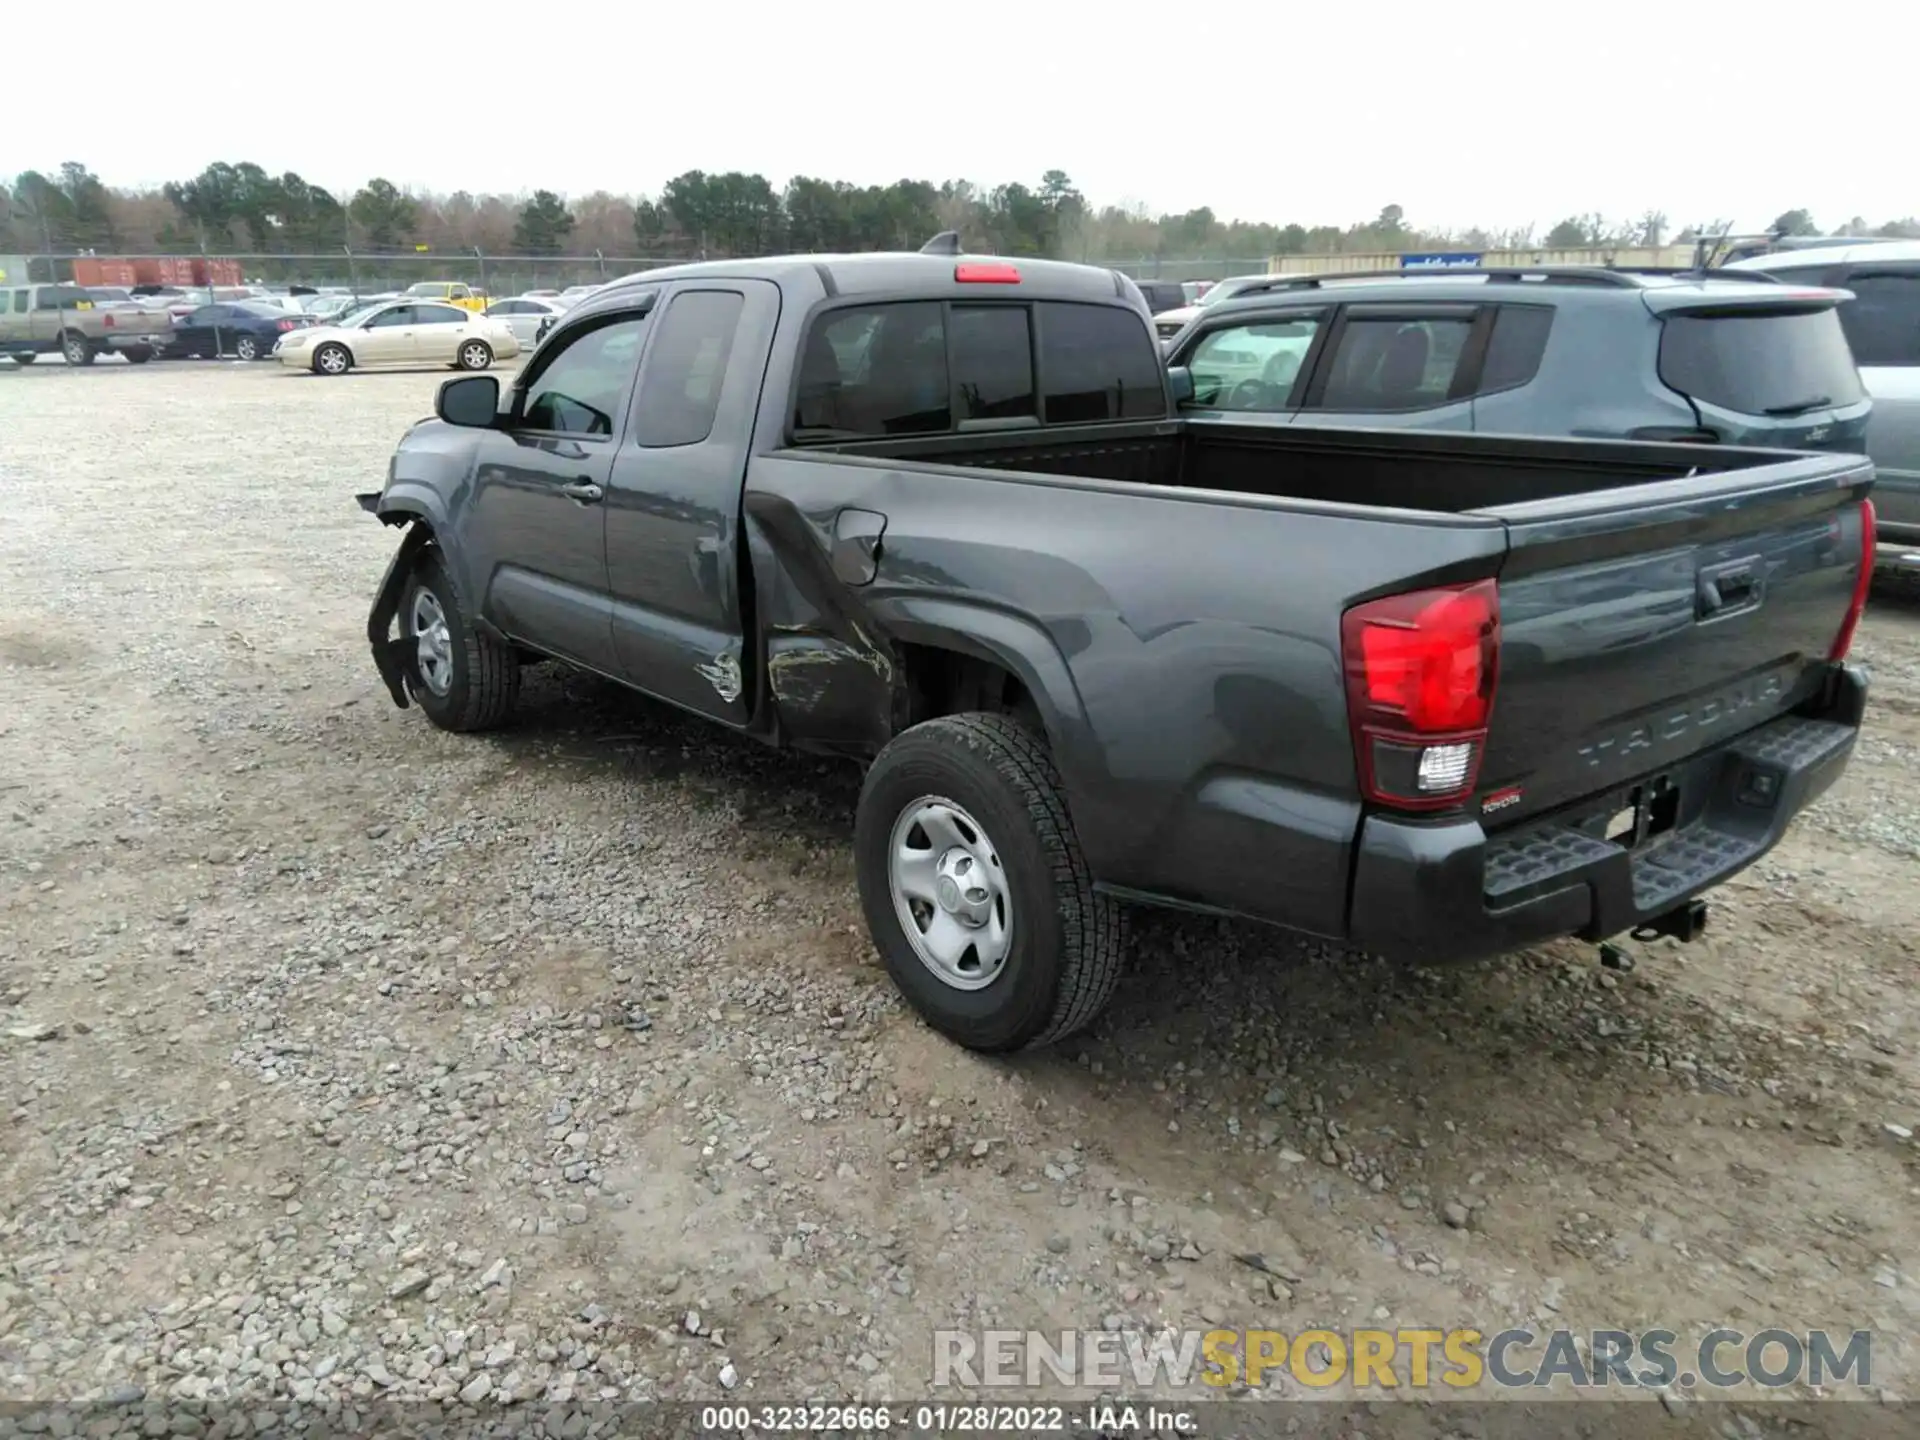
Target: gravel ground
{"x":343,"y":1057}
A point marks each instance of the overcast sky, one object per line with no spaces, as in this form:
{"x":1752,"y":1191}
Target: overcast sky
{"x":1507,"y":115}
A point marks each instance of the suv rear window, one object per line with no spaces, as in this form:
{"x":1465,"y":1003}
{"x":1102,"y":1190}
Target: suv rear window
{"x":1760,"y":362}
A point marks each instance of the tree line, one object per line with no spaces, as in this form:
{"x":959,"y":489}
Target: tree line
{"x":240,"y":206}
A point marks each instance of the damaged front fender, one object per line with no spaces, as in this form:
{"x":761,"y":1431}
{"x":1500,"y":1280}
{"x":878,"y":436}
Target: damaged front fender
{"x":396,"y":659}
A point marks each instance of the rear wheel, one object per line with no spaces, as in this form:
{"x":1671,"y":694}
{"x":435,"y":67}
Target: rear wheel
{"x":475,"y":355}
{"x":247,"y":348}
{"x":332,"y":360}
{"x":138,"y":355}
{"x":76,"y":348}
{"x":975,"y":889}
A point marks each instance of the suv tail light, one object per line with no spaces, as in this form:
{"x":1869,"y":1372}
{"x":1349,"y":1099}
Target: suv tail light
{"x":1869,"y":543}
{"x":1420,"y":672}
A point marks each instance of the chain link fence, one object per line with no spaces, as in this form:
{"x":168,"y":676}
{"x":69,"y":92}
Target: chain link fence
{"x":516,"y":274}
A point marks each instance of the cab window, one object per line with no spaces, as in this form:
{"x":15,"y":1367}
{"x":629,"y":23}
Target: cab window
{"x":583,"y":389}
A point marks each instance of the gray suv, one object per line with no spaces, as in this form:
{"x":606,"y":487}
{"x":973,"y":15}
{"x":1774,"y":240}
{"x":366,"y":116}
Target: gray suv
{"x":1579,"y":351}
{"x":1882,"y":322}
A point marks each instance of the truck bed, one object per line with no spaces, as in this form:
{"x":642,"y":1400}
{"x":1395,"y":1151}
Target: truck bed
{"x":1390,"y":469}
{"x":1657,"y":603}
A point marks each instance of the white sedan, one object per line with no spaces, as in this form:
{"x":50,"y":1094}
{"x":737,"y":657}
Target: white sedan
{"x":404,"y":332}
{"x":523,"y":314}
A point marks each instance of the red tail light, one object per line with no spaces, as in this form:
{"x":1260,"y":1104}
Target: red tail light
{"x":1843,"y":642}
{"x":286,"y":325}
{"x":976,"y":273}
{"x":1421,"y":670}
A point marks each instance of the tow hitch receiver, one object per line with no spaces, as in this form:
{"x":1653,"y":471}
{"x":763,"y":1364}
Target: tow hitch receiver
{"x":1685,"y":923}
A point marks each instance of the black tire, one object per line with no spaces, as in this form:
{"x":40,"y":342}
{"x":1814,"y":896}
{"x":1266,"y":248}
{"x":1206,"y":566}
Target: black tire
{"x":138,"y":355}
{"x":1067,"y":941}
{"x":485,"y":679}
{"x":320,"y":362}
{"x":475,"y":355}
{"x":246,"y":348}
{"x":24,"y":357}
{"x":76,"y":349}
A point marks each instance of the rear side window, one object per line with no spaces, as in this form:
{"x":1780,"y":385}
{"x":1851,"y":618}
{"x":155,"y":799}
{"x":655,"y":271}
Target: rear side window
{"x":1882,"y":321}
{"x":1098,"y":362}
{"x":21,"y":300}
{"x":680,"y":393}
{"x":1395,"y":363}
{"x":874,"y":370}
{"x":993,"y":362}
{"x":1515,"y":348}
{"x":1760,"y":362}
{"x":440,"y":315}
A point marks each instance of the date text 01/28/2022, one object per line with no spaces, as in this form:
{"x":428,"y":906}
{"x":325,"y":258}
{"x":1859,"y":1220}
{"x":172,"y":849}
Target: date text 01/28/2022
{"x":940,"y":1419}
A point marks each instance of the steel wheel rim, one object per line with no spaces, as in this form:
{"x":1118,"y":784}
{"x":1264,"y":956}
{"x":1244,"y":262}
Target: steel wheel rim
{"x":76,"y":350}
{"x":950,"y":893}
{"x":332,"y":361}
{"x":476,"y":357}
{"x":433,"y":641}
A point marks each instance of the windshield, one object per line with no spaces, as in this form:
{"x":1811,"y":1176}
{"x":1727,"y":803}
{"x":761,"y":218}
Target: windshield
{"x":354,"y":314}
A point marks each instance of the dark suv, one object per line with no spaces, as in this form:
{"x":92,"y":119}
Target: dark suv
{"x":1162,"y":295}
{"x":1716,"y":358}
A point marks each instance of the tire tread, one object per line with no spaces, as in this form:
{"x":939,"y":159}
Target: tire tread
{"x":1093,"y":926}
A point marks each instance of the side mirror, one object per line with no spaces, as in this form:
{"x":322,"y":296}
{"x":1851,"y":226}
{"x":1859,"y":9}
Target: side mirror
{"x":471,"y":401}
{"x":1180,"y":383}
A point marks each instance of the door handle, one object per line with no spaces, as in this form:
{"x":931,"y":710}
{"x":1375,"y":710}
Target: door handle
{"x":585,"y":491}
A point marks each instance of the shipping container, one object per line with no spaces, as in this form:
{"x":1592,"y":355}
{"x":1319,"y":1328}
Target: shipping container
{"x":225,"y":272}
{"x":89,"y":271}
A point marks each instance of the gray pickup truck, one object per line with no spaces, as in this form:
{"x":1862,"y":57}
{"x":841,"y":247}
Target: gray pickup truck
{"x":1438,"y":696}
{"x":65,"y":320}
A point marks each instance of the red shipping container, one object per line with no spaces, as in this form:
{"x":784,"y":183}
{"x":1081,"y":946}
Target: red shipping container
{"x":226,"y":272}
{"x":117,"y":272}
{"x":87,"y":272}
{"x":146,"y":271}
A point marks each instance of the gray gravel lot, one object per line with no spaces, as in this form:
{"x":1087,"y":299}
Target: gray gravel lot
{"x":343,"y":1057}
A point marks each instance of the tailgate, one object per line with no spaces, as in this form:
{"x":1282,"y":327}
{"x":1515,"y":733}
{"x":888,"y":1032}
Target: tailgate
{"x":1641,"y":625}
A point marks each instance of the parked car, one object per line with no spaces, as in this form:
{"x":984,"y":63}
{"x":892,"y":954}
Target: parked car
{"x":1161,"y":295}
{"x":1882,"y":325}
{"x":523,"y":315}
{"x":64,"y":320}
{"x":450,"y":292}
{"x":1169,"y":323}
{"x":245,"y":329}
{"x":937,"y":513}
{"x":1578,"y":351}
{"x":403,"y":332}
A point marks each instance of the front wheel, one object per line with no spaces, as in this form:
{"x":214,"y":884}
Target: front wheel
{"x":24,"y":357}
{"x":332,"y":360}
{"x":464,"y":679}
{"x":975,"y":889}
{"x":476,"y":355}
{"x":138,"y":355}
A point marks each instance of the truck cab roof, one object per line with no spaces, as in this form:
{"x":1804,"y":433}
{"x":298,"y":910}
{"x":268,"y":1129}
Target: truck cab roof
{"x":889,"y":273}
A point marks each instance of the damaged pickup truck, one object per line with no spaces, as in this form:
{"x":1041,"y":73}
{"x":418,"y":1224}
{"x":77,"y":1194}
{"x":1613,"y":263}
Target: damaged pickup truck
{"x":1435,"y":696}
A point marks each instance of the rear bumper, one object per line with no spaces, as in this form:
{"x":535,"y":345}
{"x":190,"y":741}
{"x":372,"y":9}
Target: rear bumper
{"x":1447,"y":891}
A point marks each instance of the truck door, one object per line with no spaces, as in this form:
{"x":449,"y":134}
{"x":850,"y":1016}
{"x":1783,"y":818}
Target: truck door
{"x":535,"y":537}
{"x":1393,"y":366}
{"x":673,"y":512}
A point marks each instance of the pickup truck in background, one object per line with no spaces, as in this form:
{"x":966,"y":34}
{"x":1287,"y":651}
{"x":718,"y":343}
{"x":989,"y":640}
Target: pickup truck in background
{"x":1436,"y":696}
{"x":38,"y":320}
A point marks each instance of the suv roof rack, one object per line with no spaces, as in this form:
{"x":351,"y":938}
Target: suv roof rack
{"x":1570,"y":274}
{"x":1688,"y":272}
